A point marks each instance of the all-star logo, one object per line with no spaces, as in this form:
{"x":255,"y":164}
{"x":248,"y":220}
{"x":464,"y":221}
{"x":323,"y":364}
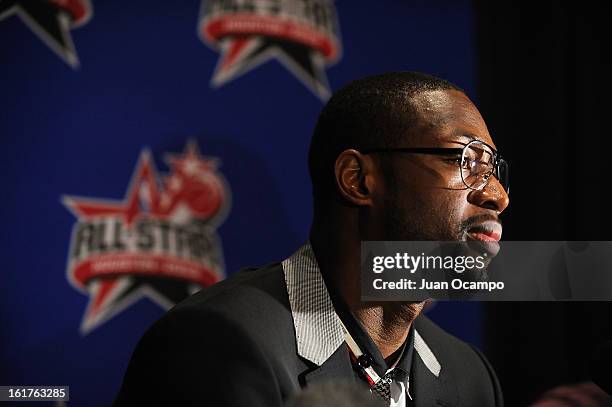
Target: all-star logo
{"x":302,"y":34}
{"x":160,"y":242}
{"x":51,"y":21}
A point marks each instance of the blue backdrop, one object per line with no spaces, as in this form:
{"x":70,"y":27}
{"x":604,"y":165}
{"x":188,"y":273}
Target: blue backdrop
{"x":144,"y":82}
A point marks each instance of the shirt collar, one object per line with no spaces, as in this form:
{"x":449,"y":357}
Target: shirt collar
{"x":317,"y":328}
{"x":318,"y":331}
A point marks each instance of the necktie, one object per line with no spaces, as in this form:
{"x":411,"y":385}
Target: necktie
{"x":382,"y":388}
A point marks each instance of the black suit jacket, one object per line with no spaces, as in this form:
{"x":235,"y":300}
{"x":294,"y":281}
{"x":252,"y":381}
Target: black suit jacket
{"x":234,"y":344}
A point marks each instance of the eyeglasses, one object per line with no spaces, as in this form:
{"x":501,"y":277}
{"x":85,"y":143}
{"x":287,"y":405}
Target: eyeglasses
{"x":478,"y":162}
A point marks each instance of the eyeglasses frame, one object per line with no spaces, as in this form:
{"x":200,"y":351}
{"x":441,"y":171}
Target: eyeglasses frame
{"x":495,"y":171}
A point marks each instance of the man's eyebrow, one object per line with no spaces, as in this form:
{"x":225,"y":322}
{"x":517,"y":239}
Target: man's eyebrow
{"x":469,"y":137}
{"x":466,"y":136}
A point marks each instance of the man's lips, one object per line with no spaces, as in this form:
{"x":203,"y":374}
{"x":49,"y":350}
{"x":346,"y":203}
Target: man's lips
{"x":489,"y":231}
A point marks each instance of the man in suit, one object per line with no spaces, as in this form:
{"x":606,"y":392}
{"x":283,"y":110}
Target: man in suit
{"x":397,"y":156}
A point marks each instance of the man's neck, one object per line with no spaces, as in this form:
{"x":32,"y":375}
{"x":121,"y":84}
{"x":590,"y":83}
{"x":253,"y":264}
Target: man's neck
{"x":387,"y":323}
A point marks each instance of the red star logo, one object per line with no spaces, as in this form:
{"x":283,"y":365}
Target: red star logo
{"x":192,"y":190}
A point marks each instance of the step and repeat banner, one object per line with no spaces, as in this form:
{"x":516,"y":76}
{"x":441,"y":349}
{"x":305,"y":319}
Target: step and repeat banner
{"x":152,"y":148}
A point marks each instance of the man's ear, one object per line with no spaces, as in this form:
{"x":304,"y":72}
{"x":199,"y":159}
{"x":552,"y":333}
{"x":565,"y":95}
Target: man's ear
{"x":354,"y":177}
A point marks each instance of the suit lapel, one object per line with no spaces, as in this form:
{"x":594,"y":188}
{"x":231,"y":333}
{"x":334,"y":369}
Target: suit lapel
{"x":337,"y":366}
{"x":429,"y":381}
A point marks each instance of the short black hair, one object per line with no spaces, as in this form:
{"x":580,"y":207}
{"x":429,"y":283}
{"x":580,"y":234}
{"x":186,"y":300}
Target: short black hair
{"x":376,"y":111}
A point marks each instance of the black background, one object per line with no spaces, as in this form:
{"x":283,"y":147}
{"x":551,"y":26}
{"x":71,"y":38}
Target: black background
{"x":544,"y":88}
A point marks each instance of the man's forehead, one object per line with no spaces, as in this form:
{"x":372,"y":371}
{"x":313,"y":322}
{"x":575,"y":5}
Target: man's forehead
{"x":449,"y":115}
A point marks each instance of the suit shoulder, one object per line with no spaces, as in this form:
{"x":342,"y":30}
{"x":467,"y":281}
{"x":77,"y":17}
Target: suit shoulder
{"x":248,"y":287}
{"x":254,"y":299}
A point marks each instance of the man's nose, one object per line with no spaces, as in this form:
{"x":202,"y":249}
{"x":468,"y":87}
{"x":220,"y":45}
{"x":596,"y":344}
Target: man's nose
{"x":492,"y":196}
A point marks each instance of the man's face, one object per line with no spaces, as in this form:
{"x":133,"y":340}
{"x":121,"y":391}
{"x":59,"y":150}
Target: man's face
{"x":424,"y":197}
